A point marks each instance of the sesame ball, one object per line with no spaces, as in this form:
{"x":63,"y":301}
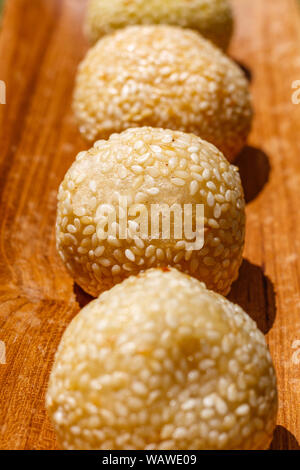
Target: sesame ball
{"x":129,"y":176}
{"x":160,"y":362}
{"x":162,"y":76}
{"x":212,"y":18}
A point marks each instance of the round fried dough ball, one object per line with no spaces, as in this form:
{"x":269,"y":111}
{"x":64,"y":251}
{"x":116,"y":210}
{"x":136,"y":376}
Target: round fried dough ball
{"x":163,"y":76}
{"x":160,"y":362}
{"x":129,"y":177}
{"x":212,"y":18}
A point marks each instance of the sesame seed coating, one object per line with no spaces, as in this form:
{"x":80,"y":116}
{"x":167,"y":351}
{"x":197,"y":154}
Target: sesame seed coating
{"x":163,"y":76}
{"x":148,"y":166}
{"x":160,"y":362}
{"x":212,"y":18}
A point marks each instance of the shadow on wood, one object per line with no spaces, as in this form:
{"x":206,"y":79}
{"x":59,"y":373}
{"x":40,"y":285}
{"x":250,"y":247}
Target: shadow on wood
{"x":254,"y":168}
{"x":283,"y":440}
{"x":247,"y":71}
{"x":254,"y":292}
{"x":82,"y":297}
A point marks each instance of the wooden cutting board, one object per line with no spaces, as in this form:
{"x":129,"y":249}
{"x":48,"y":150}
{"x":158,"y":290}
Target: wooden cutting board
{"x":41,"y":44}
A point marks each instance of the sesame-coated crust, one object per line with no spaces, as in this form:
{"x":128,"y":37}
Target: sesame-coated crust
{"x":160,"y":362}
{"x":150,"y":166}
{"x":163,"y":76}
{"x":212,"y":18}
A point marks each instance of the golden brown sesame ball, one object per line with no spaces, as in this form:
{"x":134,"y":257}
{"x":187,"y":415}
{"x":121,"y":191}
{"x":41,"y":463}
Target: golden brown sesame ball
{"x":148,"y":166}
{"x":160,"y":362}
{"x":163,"y":76}
{"x":212,"y":18}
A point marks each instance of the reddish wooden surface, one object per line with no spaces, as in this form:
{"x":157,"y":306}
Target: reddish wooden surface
{"x":41,"y":44}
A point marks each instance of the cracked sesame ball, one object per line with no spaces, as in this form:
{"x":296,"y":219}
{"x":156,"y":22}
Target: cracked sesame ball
{"x":119,"y":183}
{"x":162,"y":76}
{"x":212,"y":18}
{"x":160,"y":362}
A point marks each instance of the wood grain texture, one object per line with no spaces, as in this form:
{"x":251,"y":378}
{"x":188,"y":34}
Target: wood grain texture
{"x":40,"y":47}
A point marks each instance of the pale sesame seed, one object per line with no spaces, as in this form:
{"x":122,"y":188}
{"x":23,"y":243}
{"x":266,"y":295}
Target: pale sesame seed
{"x":178,"y":181}
{"x":89,"y":230}
{"x":115,"y":269}
{"x":153,"y":191}
{"x":95,"y":267}
{"x":93,"y":185}
{"x":139,"y":243}
{"x":154,"y":172}
{"x":197,"y":176}
{"x":137,"y":169}
{"x":173,"y":162}
{"x":181,"y":174}
{"x":210,"y":199}
{"x":140,"y":197}
{"x":194,"y":186}
{"x":99,"y":250}
{"x":178,"y":257}
{"x":167,"y":139}
{"x":143,"y":158}
{"x":193,"y":148}
{"x":122,"y":172}
{"x":242,"y":410}
{"x":104,"y":262}
{"x":71,"y":228}
{"x":217,"y":211}
{"x":211,"y":186}
{"x":195,"y":158}
{"x":129,"y":255}
{"x":156,"y":148}
{"x":150,"y":250}
{"x":213,"y":223}
{"x":206,"y":174}
{"x":127,"y":267}
{"x":139,"y":144}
